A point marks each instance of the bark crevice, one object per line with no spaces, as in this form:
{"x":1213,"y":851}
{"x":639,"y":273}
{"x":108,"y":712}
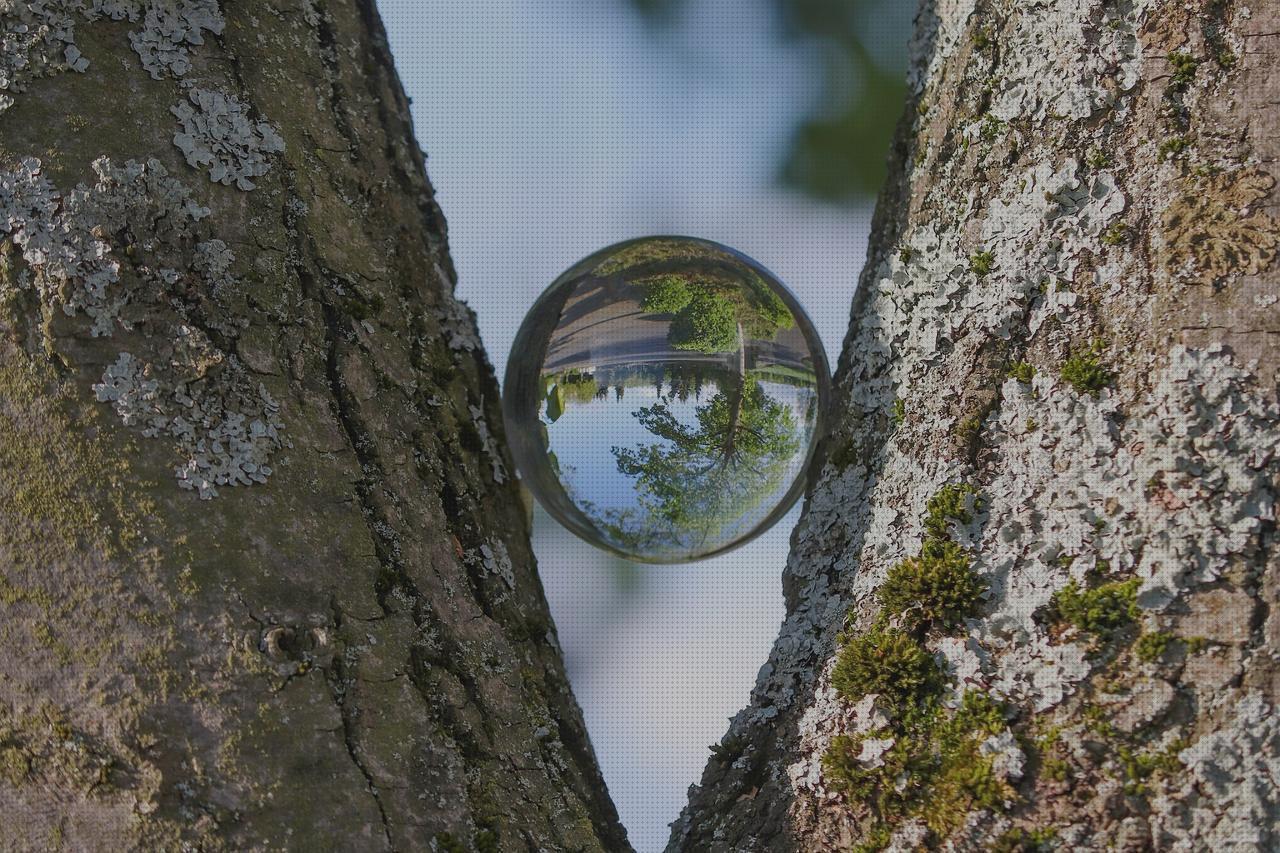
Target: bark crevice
{"x":338,"y":679}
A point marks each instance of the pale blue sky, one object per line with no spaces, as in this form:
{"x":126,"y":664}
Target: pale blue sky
{"x":555,"y":128}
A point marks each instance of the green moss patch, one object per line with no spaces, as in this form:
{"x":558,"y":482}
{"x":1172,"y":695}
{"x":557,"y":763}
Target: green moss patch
{"x":1116,"y":235}
{"x":1184,"y":69}
{"x":1152,"y":646}
{"x":928,"y":763}
{"x":1100,"y":611}
{"x":1084,"y":372}
{"x":1141,"y":767}
{"x":1172,"y":147}
{"x":1022,"y":371}
{"x":982,"y":263}
{"x":889,"y":662}
{"x":935,"y":770}
{"x":936,"y":590}
{"x":1019,"y":840}
{"x":952,"y":501}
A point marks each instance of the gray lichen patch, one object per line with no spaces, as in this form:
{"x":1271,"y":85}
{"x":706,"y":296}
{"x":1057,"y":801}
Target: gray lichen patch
{"x":218,"y":133}
{"x":64,"y":236}
{"x":168,"y":27}
{"x":131,"y":239}
{"x":213,"y":261}
{"x":219,"y":443}
{"x":491,"y":449}
{"x":498,"y":561}
{"x":459,"y":326}
{"x":37,"y":39}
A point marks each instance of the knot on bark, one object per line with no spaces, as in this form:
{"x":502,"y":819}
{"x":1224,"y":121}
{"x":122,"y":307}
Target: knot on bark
{"x":300,"y":644}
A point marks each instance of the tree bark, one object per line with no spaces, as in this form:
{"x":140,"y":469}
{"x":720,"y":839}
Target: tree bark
{"x":1069,"y":315}
{"x":265,"y":573}
{"x":266,"y":577}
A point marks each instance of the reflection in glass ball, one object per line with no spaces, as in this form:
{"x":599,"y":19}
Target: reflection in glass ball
{"x":663,"y":398}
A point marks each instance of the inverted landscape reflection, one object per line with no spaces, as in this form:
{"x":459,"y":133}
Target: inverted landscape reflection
{"x":663,"y":399}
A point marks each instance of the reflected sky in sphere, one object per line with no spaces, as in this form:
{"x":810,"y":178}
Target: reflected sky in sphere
{"x":663,"y":399}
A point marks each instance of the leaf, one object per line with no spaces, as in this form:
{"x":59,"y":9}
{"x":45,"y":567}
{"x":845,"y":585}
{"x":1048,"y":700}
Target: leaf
{"x":555,"y":403}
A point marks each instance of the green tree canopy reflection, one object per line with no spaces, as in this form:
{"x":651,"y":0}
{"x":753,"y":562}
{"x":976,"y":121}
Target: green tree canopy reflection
{"x":713,"y":314}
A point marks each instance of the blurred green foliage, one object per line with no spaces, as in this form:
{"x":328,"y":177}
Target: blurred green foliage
{"x":838,"y":152}
{"x":656,"y":10}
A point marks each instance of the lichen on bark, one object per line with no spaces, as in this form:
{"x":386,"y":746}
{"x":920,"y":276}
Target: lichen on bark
{"x":1033,"y":319}
{"x":269,"y":301}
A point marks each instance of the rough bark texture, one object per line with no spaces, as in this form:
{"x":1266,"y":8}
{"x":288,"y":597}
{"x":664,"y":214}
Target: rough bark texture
{"x":265,"y":577}
{"x":1059,"y":390}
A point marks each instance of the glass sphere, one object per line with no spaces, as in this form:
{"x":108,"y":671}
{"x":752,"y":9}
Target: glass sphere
{"x":663,"y":399}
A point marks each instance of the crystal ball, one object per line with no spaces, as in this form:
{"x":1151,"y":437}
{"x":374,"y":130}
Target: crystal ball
{"x":664,"y":397}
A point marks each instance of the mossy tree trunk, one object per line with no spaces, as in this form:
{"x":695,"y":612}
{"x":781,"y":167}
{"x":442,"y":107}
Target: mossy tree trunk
{"x":264,"y":572}
{"x":1031,"y":602}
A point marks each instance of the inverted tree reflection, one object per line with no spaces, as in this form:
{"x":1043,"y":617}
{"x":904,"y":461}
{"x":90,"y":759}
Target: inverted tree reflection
{"x":676,"y":401}
{"x":701,"y":476}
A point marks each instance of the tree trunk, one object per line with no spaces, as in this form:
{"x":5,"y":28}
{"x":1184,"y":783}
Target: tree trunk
{"x":1030,"y":602}
{"x":265,"y":574}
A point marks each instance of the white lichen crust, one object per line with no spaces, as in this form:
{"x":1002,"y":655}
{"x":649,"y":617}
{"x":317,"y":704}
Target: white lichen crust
{"x":73,"y":243}
{"x":1025,"y":327}
{"x":1227,"y":799}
